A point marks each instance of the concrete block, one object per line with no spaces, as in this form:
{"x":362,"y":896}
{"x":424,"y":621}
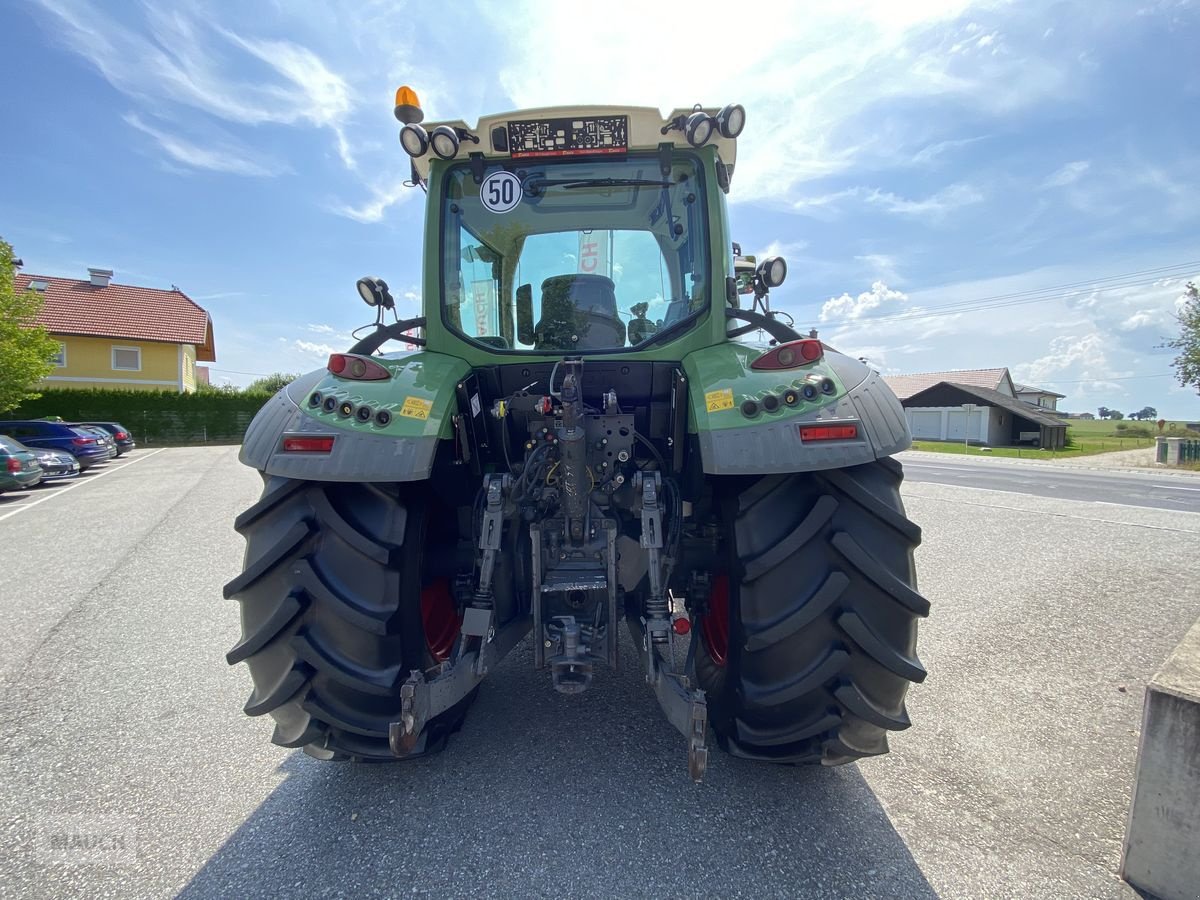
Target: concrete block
{"x":1162,"y":839}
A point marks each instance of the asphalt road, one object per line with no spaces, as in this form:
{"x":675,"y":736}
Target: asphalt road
{"x":129,"y":770}
{"x":1149,"y":489}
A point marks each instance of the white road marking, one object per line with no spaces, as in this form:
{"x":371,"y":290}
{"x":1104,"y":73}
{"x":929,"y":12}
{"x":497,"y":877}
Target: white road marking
{"x":1174,"y":487}
{"x":78,"y":483}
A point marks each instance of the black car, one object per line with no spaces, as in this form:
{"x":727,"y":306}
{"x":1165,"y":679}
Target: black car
{"x":122,"y":435}
{"x":83,"y":445}
{"x":56,"y":464}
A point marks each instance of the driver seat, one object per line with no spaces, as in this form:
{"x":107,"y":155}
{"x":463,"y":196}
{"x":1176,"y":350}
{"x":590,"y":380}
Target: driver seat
{"x":581,"y":306}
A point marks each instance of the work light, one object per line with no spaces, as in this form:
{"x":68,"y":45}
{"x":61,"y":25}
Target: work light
{"x":414,"y":140}
{"x":444,"y":142}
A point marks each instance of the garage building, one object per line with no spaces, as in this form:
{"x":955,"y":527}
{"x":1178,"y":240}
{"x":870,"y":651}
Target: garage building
{"x":934,"y":401}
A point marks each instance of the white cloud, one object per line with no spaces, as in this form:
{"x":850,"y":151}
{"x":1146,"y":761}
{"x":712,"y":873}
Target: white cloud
{"x":879,"y":298}
{"x":382,"y":199}
{"x":310,"y":349}
{"x":1068,"y":174}
{"x":816,"y":85}
{"x":935,"y":207}
{"x":225,"y":157}
{"x":183,"y":58}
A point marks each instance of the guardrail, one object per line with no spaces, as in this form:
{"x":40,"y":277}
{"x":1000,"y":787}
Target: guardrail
{"x":1175,"y":451}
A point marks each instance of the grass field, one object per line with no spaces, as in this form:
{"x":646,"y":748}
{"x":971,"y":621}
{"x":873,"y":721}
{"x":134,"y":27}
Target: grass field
{"x":1085,"y":438}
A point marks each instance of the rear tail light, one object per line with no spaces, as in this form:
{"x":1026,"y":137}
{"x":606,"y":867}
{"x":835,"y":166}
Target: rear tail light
{"x":322,"y":444}
{"x":120,"y":435}
{"x":82,"y":442}
{"x":357,"y":368}
{"x":828,"y":432}
{"x":791,"y":355}
{"x":14,"y":464}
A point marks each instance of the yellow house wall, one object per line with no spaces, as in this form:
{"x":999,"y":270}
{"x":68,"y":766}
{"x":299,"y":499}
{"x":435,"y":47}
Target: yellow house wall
{"x":89,"y":365}
{"x":188,"y":355}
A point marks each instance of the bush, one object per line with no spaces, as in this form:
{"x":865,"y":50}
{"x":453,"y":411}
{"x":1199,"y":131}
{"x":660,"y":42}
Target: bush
{"x":152,"y":416}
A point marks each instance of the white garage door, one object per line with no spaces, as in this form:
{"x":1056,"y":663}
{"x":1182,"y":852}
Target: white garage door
{"x":956,"y":421}
{"x":927,"y":425}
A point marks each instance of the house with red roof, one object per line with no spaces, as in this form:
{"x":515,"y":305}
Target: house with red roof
{"x":121,"y":335}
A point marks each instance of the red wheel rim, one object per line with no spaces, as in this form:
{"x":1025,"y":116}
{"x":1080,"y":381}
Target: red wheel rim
{"x":439,"y":615}
{"x":714,"y":625}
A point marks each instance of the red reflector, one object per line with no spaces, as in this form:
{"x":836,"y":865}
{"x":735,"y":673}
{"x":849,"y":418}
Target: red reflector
{"x":791,"y":355}
{"x":307,"y":444}
{"x":14,"y":464}
{"x":357,"y":368}
{"x":681,"y":625}
{"x":828,"y":432}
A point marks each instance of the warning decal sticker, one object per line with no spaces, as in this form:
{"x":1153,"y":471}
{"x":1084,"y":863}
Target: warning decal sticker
{"x":416,"y":408}
{"x":715,"y":401}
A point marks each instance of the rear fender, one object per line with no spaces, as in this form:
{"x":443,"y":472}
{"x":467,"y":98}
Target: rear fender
{"x":734,"y":443}
{"x":416,"y":403}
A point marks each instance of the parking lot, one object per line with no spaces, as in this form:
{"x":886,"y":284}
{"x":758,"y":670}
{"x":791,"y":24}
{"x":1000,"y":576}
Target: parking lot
{"x":123,"y":722}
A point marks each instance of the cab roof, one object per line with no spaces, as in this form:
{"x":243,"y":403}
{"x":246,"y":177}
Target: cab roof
{"x":539,"y":134}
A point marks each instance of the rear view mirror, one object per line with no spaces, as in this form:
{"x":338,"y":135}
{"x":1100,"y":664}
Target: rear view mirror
{"x":525,"y":313}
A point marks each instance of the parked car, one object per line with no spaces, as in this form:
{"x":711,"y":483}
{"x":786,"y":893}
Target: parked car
{"x":101,"y":435}
{"x":83,"y":445}
{"x":18,"y":466}
{"x":122,"y":435}
{"x":56,"y":464}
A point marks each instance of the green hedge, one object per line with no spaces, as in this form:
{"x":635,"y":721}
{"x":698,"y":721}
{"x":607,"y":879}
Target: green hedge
{"x":152,"y":416}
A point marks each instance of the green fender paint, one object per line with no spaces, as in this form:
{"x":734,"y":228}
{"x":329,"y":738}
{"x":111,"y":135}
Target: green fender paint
{"x":419,"y":397}
{"x":721,"y":380}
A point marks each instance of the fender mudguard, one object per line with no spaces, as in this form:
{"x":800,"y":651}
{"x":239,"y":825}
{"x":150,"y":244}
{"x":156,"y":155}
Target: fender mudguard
{"x":737,"y":437}
{"x":385,"y":430}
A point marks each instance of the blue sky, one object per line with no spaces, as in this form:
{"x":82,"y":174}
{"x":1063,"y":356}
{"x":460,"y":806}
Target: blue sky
{"x":904,"y":157}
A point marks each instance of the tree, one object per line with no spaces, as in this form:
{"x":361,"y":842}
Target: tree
{"x":1115,"y":414}
{"x":25,"y":347}
{"x":1103,"y":412}
{"x":1146,"y":412}
{"x":1187,"y":363}
{"x":271,"y":384}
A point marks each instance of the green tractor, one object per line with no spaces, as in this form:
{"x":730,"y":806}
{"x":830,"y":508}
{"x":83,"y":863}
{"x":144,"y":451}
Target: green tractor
{"x":577,"y":431}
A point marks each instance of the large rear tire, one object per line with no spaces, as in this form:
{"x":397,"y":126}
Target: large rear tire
{"x":809,"y":643}
{"x":337,"y":610}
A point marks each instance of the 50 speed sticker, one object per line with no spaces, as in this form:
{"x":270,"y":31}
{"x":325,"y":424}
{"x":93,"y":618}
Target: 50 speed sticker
{"x":416,"y":408}
{"x":500,"y":192}
{"x":715,"y":401}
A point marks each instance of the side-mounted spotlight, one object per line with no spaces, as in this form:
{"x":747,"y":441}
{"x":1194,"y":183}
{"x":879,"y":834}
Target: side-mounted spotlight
{"x":374,"y":292}
{"x":772,"y":271}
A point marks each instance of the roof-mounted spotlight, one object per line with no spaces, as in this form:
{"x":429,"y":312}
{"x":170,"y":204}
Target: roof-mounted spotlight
{"x":731,"y":120}
{"x":414,"y":140}
{"x":374,"y":292}
{"x":698,"y":129}
{"x":444,"y":142}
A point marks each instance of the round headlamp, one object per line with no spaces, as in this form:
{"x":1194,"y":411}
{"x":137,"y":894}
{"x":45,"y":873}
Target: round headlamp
{"x":731,"y":120}
{"x":444,"y":142}
{"x":773,"y":270}
{"x":698,"y":129}
{"x":414,"y":140}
